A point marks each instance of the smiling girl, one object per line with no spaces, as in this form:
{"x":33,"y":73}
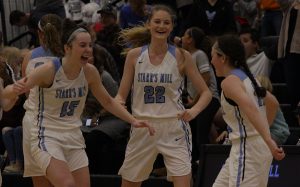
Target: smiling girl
{"x":57,"y":144}
{"x":154,"y":72}
{"x":244,"y":110}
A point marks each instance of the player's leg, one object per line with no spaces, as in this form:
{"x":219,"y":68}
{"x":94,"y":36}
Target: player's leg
{"x":41,"y":181}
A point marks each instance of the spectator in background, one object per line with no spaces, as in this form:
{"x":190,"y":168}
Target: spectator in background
{"x":107,"y":34}
{"x":14,"y":59}
{"x":246,"y":9}
{"x":214,"y":17}
{"x":278,"y":127}
{"x":6,"y":73}
{"x":107,"y":129}
{"x":199,"y":45}
{"x":257,"y":60}
{"x":88,"y":11}
{"x":289,"y":50}
{"x":32,"y":18}
{"x":271,"y":17}
{"x":90,"y":18}
{"x":50,"y":7}
{"x":74,"y":10}
{"x":11,"y":122}
{"x":12,"y":139}
{"x":134,"y":13}
{"x":5,"y":104}
{"x":109,"y":82}
{"x":183,"y":8}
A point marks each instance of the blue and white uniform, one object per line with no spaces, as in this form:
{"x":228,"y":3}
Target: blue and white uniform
{"x":56,"y":127}
{"x":156,"y":97}
{"x":38,"y":57}
{"x":250,"y":159}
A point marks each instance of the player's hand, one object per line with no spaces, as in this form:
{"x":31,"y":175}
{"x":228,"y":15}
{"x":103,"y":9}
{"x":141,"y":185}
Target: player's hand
{"x":277,"y":152}
{"x":187,"y":115}
{"x":177,"y":40}
{"x":13,"y":90}
{"x":144,"y":124}
{"x":222,"y":136}
{"x":19,"y":86}
{"x":120,"y":101}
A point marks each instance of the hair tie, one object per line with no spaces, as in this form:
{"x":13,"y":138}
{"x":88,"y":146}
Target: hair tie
{"x":40,"y":27}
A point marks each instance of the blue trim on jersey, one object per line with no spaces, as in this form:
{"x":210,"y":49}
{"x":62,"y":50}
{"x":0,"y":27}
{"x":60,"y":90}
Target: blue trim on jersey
{"x":144,"y":48}
{"x":241,"y":165}
{"x":56,"y":63}
{"x":238,"y":72}
{"x":242,"y":154}
{"x":40,"y":52}
{"x":41,"y":131}
{"x":172,"y":49}
{"x":187,"y":137}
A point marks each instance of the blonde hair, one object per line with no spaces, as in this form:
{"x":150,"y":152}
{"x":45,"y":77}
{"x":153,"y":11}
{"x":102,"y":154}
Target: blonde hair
{"x":140,"y":35}
{"x":134,"y":37}
{"x":265,"y":82}
{"x":12,"y":55}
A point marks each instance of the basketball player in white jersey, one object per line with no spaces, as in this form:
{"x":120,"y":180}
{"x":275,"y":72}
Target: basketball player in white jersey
{"x":155,"y":75}
{"x":49,"y":32}
{"x":242,"y":102}
{"x":57,"y":142}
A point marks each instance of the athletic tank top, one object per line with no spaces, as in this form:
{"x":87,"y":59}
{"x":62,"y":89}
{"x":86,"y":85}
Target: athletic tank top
{"x":60,"y":106}
{"x":239,"y":125}
{"x":38,"y":57}
{"x":157,"y":89}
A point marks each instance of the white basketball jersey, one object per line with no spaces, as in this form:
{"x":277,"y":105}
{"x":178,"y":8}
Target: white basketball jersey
{"x":38,"y":57}
{"x":60,"y":107}
{"x":157,"y":89}
{"x":239,"y":125}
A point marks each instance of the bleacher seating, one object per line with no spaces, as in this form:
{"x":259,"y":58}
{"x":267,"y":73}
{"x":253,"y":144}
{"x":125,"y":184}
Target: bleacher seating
{"x":281,"y":93}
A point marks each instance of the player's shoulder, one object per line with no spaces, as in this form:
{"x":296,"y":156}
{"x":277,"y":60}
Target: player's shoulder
{"x":135,"y":51}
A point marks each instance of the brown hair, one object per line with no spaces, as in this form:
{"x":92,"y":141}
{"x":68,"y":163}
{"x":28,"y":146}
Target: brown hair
{"x":233,"y":49}
{"x":51,"y":26}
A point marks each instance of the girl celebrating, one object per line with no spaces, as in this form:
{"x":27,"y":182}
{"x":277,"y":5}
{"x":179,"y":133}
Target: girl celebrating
{"x":57,"y":142}
{"x":242,"y":102}
{"x":155,"y":71}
